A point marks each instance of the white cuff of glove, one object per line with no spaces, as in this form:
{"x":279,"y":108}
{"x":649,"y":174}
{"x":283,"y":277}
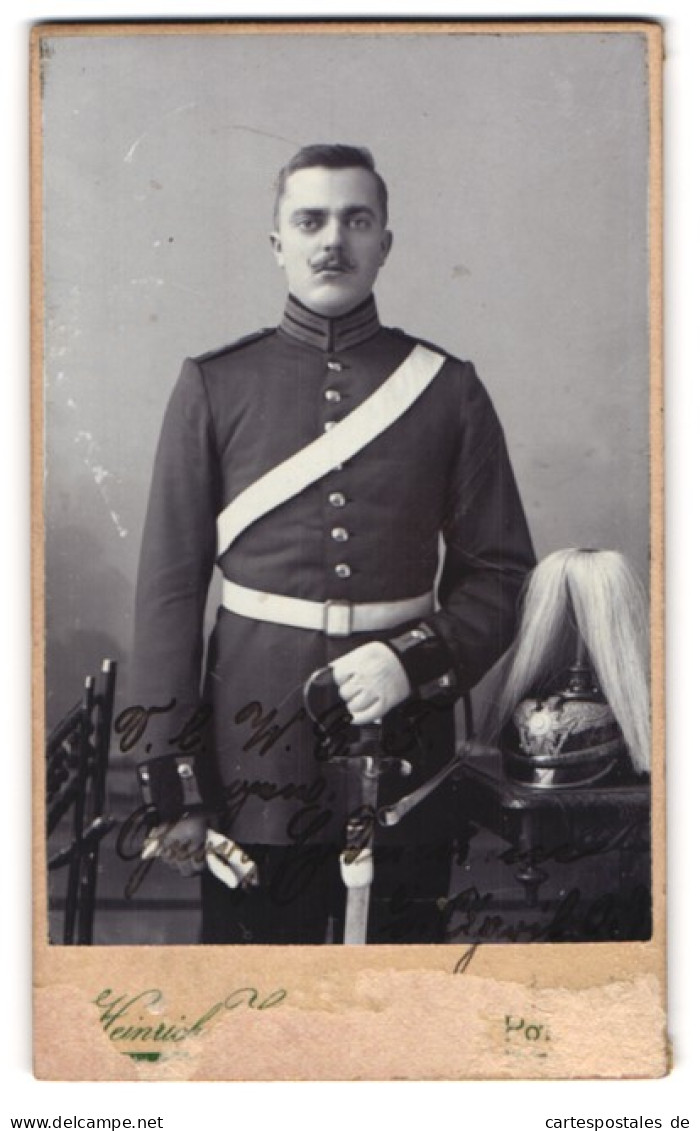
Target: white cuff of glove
{"x":228,"y":862}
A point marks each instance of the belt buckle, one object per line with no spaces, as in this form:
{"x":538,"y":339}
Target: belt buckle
{"x":337,"y":618}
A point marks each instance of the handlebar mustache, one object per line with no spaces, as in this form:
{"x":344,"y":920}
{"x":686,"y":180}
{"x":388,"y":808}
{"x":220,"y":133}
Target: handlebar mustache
{"x":334,"y":263}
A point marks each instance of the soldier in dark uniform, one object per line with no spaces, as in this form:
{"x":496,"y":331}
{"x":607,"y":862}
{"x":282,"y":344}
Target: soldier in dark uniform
{"x":341,"y":572}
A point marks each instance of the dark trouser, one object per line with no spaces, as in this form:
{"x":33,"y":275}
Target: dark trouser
{"x":301,"y":897}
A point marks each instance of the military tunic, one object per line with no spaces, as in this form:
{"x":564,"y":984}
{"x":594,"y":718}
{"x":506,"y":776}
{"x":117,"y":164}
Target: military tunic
{"x":369,"y":531}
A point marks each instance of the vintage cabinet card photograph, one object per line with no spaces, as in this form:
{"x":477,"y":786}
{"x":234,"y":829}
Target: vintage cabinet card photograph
{"x":348,"y":559}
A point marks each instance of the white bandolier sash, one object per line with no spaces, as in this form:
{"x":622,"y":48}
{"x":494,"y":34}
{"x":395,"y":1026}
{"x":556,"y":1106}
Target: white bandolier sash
{"x":349,"y":436}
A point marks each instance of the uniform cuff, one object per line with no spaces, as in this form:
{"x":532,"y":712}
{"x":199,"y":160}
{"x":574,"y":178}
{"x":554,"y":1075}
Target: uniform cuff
{"x":170,"y":787}
{"x":426,"y":660}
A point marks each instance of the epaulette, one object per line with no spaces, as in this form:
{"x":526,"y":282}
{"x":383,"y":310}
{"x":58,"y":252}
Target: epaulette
{"x":257,"y":336}
{"x":428,"y":345}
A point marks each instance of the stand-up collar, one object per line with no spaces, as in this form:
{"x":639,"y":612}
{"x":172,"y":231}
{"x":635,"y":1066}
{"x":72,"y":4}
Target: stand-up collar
{"x":330,"y":334}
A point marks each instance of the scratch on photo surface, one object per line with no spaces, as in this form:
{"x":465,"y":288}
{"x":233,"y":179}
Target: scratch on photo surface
{"x":122,"y":532}
{"x":129,"y":156}
{"x":147,"y":280}
{"x":100,"y":475}
{"x":187,"y":290}
{"x":252,"y":130}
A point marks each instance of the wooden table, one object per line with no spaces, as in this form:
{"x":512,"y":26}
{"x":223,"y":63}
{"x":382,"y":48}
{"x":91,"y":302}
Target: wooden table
{"x":544,"y":827}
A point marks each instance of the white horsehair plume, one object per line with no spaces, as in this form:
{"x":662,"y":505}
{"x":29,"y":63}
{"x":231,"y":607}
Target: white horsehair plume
{"x":609,"y":609}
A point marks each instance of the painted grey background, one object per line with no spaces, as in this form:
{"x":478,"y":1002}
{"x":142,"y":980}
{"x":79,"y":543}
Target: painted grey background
{"x":517,"y":170}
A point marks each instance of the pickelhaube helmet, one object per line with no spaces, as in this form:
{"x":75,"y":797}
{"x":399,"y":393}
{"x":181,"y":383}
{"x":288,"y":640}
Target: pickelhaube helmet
{"x":573,"y":706}
{"x":564,"y":739}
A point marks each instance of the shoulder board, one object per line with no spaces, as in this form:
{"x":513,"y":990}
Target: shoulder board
{"x":240,"y":343}
{"x":426,"y":343}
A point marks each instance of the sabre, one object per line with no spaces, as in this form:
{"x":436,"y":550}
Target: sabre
{"x":390,"y":815}
{"x":357,"y":858}
{"x":361,"y":753}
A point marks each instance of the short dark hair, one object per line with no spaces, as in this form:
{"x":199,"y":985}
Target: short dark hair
{"x":331,"y":157}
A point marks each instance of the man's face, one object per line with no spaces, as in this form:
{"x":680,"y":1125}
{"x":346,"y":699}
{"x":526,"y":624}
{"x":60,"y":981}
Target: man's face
{"x":330,"y":237}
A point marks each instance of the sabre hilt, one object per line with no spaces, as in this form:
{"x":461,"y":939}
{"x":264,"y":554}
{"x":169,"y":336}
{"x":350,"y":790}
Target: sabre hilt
{"x":353,"y":748}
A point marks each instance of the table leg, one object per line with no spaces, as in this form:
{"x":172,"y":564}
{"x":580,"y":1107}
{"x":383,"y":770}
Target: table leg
{"x":528,"y":874}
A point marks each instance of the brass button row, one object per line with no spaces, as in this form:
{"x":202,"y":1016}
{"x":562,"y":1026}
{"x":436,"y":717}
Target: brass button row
{"x":336,"y":498}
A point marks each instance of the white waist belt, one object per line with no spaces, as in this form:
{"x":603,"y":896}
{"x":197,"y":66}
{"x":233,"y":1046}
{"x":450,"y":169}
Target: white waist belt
{"x":335,"y":618}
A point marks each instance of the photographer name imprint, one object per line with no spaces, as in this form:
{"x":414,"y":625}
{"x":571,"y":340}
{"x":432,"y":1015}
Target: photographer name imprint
{"x":125,"y":1018}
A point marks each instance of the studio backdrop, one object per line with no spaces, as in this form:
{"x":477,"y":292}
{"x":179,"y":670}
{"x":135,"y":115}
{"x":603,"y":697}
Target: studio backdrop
{"x":517,"y":170}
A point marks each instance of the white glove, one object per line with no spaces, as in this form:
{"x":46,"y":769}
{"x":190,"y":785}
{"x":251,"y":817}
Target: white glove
{"x":372,"y":681}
